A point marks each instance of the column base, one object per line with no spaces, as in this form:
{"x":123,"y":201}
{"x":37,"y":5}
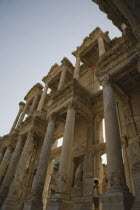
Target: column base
{"x":136,"y":179}
{"x":82,"y":205}
{"x":117,"y":200}
{"x":59,"y":205}
{"x":34,"y":204}
{"x":136,"y":205}
{"x":12,"y":204}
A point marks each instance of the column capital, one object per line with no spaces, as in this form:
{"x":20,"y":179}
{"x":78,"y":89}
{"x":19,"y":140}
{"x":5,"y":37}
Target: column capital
{"x":73,"y":105}
{"x":52,"y":116}
{"x":21,"y":105}
{"x":106,"y":80}
{"x":63,"y":68}
{"x":10,"y":146}
{"x":78,"y":56}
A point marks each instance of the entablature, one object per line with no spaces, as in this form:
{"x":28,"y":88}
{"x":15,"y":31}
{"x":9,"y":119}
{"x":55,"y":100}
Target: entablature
{"x":73,"y":92}
{"x":53,"y":74}
{"x":121,"y":63}
{"x":53,"y":77}
{"x":88,"y":51}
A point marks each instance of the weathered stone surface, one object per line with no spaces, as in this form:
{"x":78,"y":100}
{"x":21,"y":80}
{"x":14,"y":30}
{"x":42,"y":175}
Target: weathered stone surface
{"x":80,"y":105}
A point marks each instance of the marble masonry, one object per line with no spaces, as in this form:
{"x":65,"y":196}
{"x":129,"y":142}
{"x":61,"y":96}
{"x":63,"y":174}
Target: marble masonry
{"x":103,"y":87}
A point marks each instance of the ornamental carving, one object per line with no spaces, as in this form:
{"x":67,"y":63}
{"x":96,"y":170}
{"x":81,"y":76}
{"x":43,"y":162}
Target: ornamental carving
{"x":116,"y":180}
{"x":118,"y":54}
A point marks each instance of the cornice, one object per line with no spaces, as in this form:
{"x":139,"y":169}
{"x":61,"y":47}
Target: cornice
{"x":66,"y":62}
{"x":90,"y":41}
{"x":117,"y":55}
{"x":35,"y":89}
{"x":21,"y":104}
{"x":51,"y":74}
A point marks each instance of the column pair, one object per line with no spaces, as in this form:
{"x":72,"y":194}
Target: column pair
{"x":13,"y":200}
{"x":118,"y":195}
{"x":36,"y":202}
{"x":21,"y":106}
{"x":34,"y":103}
{"x":43,"y":97}
{"x":66,"y":153}
{"x":23,"y":114}
{"x":63,"y":183}
{"x":11,"y":169}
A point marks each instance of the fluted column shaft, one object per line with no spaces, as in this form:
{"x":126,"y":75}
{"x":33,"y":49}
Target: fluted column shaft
{"x":77,"y":68}
{"x":11,"y":170}
{"x":62,"y":79}
{"x":23,"y":114}
{"x":113,"y":143}
{"x":34,"y":104}
{"x":5,"y":162}
{"x":66,"y":153}
{"x":43,"y":96}
{"x":101,"y":46}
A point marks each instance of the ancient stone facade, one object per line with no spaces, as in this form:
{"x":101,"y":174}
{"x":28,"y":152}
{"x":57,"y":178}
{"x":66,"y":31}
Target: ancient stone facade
{"x":36,"y":174}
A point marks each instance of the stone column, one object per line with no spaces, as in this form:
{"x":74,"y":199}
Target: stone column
{"x":101,"y":46}
{"x":2,"y":152}
{"x":123,"y":27}
{"x":97,"y":163}
{"x":23,"y":114}
{"x":34,"y":104}
{"x":39,"y":179}
{"x":11,"y":170}
{"x":5,"y":162}
{"x":12,"y":201}
{"x":62,"y":78}
{"x":43,"y":96}
{"x":118,"y":196}
{"x":47,"y":183}
{"x":127,"y":168}
{"x":66,"y":153}
{"x":62,"y":189}
{"x":96,"y":85}
{"x":21,"y":105}
{"x":96,"y":129}
{"x":77,"y":68}
{"x":101,"y":139}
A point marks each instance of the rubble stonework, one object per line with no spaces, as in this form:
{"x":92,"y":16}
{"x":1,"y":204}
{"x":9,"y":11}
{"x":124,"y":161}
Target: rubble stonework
{"x":35,"y":174}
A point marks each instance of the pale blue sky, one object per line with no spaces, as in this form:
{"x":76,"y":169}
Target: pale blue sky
{"x":34,"y":35}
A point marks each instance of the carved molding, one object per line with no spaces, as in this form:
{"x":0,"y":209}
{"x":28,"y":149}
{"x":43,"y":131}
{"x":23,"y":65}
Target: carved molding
{"x":121,"y":53}
{"x":37,"y":88}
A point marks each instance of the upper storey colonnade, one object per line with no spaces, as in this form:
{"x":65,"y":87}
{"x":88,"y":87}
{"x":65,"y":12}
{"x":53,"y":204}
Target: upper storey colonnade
{"x":59,"y":76}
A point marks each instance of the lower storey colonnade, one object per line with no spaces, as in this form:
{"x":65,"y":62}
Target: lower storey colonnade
{"x":65,"y":190}
{"x":29,"y":167}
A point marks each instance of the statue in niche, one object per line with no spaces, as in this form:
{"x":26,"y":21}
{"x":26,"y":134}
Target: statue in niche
{"x":78,"y":179}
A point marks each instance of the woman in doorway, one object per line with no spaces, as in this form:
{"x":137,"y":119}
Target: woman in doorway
{"x":96,"y":194}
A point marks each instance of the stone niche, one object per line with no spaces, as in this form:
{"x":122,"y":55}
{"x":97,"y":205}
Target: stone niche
{"x":77,"y":177}
{"x":78,"y":171}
